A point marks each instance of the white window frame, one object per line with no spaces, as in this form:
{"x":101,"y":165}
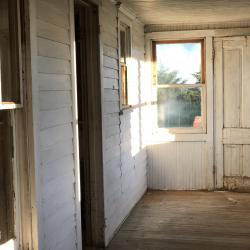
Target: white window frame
{"x":124,"y":20}
{"x":202,"y":86}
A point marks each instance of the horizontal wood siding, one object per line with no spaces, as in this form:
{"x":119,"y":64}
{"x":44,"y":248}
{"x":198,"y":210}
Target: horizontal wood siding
{"x":124,"y":154}
{"x":57,"y":163}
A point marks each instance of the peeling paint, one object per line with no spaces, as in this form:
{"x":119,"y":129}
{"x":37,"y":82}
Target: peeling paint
{"x":236,"y":183}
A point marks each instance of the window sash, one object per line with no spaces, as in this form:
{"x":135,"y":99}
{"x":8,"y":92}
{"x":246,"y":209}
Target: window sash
{"x":203,"y":104}
{"x":124,"y":85}
{"x":202,"y":85}
{"x":203,"y":55}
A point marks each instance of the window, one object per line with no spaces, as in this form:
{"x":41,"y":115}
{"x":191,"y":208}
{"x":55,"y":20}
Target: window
{"x":10,"y":98}
{"x":6,"y":187}
{"x":179,"y":76}
{"x":125,"y":54}
{"x":10,"y":51}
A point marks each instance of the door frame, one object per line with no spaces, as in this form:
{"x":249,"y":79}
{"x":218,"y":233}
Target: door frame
{"x":96,"y":188}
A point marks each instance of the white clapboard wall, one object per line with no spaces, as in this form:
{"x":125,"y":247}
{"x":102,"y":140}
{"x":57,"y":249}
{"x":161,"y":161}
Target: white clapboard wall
{"x":124,"y":151}
{"x":232,"y":81}
{"x":54,"y":120}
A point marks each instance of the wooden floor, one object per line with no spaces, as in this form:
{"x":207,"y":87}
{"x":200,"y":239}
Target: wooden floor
{"x":187,"y":220}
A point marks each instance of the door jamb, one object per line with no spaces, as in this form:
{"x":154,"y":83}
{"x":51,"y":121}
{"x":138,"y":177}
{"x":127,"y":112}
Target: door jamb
{"x":97,"y":188}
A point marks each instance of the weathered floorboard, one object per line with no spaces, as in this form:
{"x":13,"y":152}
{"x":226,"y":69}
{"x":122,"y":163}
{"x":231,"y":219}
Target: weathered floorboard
{"x":187,"y":220}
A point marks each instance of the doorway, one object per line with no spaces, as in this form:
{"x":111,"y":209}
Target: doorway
{"x":90,"y":122}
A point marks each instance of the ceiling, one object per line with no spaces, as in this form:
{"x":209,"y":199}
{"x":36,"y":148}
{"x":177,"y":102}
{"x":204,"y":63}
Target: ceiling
{"x":174,"y":12}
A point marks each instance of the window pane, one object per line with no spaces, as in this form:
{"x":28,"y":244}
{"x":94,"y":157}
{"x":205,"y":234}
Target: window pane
{"x":179,"y":107}
{"x":124,"y":85}
{"x":122,"y":46}
{"x":5,"y":50}
{"x":9,"y":52}
{"x":179,"y":63}
{"x":6,"y":177}
{"x":128,"y":42}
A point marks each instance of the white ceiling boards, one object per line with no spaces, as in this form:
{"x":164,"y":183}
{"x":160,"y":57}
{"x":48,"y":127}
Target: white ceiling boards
{"x":174,"y":12}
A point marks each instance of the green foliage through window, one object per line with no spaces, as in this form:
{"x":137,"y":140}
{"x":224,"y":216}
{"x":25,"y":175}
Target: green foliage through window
{"x":179,"y":64}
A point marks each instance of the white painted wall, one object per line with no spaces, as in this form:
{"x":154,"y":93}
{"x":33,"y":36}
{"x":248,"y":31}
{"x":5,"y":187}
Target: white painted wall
{"x":124,"y":136}
{"x":58,"y":201}
{"x":180,"y":160}
{"x":183,"y":163}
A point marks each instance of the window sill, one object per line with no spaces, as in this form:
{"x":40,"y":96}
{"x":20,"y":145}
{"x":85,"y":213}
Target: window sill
{"x":10,"y":105}
{"x":126,"y":109}
{"x":166,"y":136}
{"x":181,"y":130}
{"x":131,"y":108}
{"x":10,"y":245}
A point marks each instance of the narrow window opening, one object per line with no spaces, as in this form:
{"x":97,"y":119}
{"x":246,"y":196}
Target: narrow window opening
{"x":125,"y":54}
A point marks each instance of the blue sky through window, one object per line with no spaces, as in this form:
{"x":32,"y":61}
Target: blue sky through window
{"x":185,"y":58}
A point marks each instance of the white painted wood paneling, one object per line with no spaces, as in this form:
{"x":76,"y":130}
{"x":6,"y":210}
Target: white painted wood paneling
{"x":52,"y":15}
{"x":232,"y":77}
{"x":53,"y":66}
{"x":52,"y":82}
{"x":246,"y":160}
{"x":48,"y":48}
{"x":52,"y":32}
{"x":58,"y":225}
{"x":50,"y":100}
{"x":171,"y":12}
{"x":232,"y":87}
{"x":124,"y":154}
{"x":182,"y":160}
{"x":178,"y":166}
{"x":245,"y":123}
{"x":233,"y":160}
{"x":236,"y":135}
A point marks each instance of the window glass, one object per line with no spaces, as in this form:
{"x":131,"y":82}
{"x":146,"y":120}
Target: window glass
{"x":122,"y":46}
{"x":9,"y":53}
{"x":6,"y":178}
{"x":125,"y":53}
{"x":179,"y":107}
{"x":180,"y":84}
{"x":124,"y":85}
{"x":178,"y":63}
{"x":5,"y":51}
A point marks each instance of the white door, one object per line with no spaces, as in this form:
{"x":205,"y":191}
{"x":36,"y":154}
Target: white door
{"x":232,"y":112}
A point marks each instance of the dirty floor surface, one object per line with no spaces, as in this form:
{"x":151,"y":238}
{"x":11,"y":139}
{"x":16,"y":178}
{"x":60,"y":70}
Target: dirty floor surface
{"x":187,"y":220}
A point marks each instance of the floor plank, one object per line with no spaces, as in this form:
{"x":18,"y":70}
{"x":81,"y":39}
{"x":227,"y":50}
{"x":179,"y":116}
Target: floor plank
{"x":187,"y":220}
